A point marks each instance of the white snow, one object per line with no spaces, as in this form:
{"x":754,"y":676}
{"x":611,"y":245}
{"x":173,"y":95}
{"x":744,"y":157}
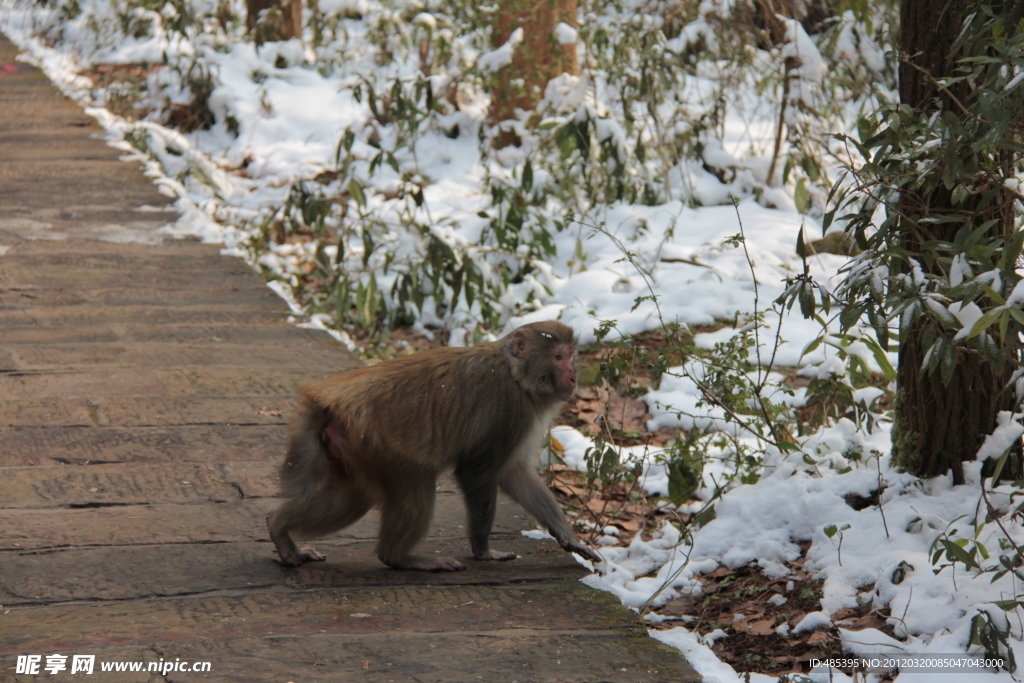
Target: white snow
{"x":289,"y":106}
{"x":565,"y":34}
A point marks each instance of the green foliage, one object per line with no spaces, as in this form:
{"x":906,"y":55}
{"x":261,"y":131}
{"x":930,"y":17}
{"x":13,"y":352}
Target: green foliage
{"x":575,"y":154}
{"x":933,"y":201}
{"x":993,"y":639}
{"x":744,"y":415}
{"x":644,"y":119}
{"x":377,"y":275}
{"x":830,"y":532}
{"x":834,"y":394}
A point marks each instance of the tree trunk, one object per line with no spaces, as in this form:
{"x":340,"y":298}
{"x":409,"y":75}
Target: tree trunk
{"x":939,"y":427}
{"x":536,"y":60}
{"x":281,"y":20}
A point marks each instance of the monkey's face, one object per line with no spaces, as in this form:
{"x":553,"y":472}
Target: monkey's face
{"x":563,"y":365}
{"x":543,"y":359}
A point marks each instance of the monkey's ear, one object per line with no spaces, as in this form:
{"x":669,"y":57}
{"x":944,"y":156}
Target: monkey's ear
{"x":519,"y":344}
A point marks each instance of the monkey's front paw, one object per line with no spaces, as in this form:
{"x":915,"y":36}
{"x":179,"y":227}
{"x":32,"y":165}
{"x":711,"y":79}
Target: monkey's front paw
{"x":585,"y":551}
{"x":496,"y":555}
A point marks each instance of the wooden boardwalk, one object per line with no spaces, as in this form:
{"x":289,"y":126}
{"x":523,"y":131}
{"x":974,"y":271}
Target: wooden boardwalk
{"x":144,"y":387}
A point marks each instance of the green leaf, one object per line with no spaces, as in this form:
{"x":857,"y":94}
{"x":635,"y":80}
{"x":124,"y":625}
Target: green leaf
{"x":993,"y":294}
{"x":339,"y":257}
{"x":959,"y":193}
{"x":811,"y":167}
{"x":806,"y":301}
{"x":528,"y":176}
{"x":1001,"y":464}
{"x":827,"y":220}
{"x":932,"y":355}
{"x":1010,"y":252}
{"x":368,"y":312}
{"x":682,"y":481}
{"x":705,"y":516}
{"x":812,"y":346}
{"x":947,"y":362}
{"x":355,"y":189}
{"x":456,"y":287}
{"x":900,"y":573}
{"x":880,"y":358}
{"x":565,"y":139}
{"x":984,"y":322}
{"x":831,"y":530}
{"x":957,"y":554}
{"x":801,"y":196}
{"x":609,"y":461}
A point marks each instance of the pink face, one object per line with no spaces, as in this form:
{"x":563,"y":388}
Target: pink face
{"x":562,"y":358}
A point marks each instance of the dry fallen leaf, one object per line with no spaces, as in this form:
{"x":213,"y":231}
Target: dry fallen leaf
{"x":817,"y":637}
{"x":869,"y":620}
{"x":630,"y":525}
{"x":750,"y":610}
{"x":680,"y":607}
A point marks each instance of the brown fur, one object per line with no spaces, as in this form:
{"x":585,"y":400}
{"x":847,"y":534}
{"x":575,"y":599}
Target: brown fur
{"x":381,"y":435}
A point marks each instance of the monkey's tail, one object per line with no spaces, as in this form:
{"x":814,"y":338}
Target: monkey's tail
{"x":306,"y":467}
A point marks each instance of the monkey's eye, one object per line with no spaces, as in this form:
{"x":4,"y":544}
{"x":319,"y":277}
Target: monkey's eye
{"x":558,"y":356}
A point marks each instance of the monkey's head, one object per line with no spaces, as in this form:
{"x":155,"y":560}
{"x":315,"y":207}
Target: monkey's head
{"x":543,"y":358}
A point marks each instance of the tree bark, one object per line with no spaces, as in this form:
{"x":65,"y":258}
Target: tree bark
{"x":536,"y":60}
{"x":938,"y":427}
{"x":282,"y":20}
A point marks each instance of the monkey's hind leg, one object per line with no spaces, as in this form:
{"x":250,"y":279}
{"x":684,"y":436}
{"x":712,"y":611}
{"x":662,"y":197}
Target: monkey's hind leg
{"x":291,"y":555}
{"x":405,"y":517}
{"x":324,"y":495}
{"x":322,"y":490}
{"x":330,"y":510}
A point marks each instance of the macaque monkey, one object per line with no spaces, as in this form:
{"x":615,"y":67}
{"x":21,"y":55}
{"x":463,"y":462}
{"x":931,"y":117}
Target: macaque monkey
{"x":381,"y":435}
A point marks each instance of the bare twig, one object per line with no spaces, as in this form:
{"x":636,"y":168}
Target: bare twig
{"x":762,"y":379}
{"x":782,"y":122}
{"x":997,"y":518}
{"x":704,"y":389}
{"x":881,"y":489}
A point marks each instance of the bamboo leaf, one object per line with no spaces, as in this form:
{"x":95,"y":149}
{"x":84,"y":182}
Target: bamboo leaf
{"x":956,"y":553}
{"x":355,"y":189}
{"x":801,"y":196}
{"x":984,"y":322}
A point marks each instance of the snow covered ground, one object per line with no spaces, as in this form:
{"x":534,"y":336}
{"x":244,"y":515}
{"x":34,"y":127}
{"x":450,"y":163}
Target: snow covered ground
{"x":279,"y":119}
